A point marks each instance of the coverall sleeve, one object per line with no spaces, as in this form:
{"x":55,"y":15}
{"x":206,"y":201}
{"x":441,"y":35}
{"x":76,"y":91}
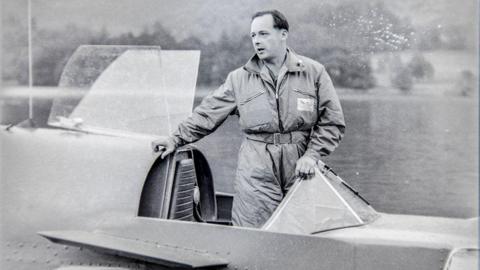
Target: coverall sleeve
{"x":330,"y":126}
{"x":207,"y":116}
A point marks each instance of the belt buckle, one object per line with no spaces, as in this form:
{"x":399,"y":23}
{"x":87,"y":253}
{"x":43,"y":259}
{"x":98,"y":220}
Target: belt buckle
{"x":276,"y":138}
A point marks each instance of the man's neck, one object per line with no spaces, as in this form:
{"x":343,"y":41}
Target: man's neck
{"x":276,"y":63}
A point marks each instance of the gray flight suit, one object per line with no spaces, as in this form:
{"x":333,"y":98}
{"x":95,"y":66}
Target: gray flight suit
{"x":301,"y":115}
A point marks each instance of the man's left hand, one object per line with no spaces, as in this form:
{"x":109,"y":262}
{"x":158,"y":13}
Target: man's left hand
{"x":305,"y":167}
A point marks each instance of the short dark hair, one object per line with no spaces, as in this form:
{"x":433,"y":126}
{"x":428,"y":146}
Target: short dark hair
{"x":279,"y":20}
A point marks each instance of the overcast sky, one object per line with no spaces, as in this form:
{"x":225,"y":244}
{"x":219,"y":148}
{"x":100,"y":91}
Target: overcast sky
{"x":209,"y":17}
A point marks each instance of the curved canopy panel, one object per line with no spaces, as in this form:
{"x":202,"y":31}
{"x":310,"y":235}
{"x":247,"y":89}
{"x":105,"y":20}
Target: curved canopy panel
{"x":320,"y":204}
{"x":128,"y":88}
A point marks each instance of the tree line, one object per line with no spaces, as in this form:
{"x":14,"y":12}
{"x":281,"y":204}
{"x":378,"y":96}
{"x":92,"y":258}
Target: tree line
{"x":342,"y":37}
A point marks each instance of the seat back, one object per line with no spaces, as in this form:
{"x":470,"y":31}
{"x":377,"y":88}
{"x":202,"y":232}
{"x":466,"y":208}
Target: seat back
{"x":180,"y":187}
{"x":182,"y":203}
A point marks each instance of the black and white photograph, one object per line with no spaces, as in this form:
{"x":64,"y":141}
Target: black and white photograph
{"x":239,"y":135}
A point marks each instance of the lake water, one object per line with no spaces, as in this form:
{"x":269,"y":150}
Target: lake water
{"x":405,"y":154}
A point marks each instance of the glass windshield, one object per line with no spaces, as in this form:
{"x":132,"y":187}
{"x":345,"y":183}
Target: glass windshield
{"x":129,"y":88}
{"x":322,"y":203}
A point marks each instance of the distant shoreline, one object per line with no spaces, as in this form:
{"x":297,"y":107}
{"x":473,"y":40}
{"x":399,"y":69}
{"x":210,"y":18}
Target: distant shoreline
{"x":440,"y":90}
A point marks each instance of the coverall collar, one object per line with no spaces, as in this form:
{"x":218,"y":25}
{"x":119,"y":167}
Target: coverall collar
{"x":293,"y":63}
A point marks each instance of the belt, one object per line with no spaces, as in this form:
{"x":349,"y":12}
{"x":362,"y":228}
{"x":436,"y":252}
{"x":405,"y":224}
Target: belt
{"x":279,"y":138}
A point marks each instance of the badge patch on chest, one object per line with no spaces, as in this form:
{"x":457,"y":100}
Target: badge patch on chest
{"x":305,"y":104}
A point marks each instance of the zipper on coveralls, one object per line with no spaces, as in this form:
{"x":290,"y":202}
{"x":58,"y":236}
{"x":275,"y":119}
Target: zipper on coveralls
{"x":280,"y":124}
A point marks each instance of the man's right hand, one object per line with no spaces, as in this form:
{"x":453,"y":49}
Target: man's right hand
{"x":163,"y":145}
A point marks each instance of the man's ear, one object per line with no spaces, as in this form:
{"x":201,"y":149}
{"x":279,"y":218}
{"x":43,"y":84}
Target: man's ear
{"x":284,"y":34}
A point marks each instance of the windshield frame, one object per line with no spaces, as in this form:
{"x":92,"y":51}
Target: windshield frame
{"x":360,"y":210}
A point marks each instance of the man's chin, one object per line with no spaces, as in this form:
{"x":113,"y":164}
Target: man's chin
{"x":262,"y":56}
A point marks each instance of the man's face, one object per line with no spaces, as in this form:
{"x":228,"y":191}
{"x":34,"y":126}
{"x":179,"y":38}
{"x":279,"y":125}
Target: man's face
{"x":268,"y":42}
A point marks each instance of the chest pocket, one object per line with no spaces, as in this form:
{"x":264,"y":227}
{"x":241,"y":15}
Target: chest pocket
{"x":303,"y":105}
{"x":254,"y":109}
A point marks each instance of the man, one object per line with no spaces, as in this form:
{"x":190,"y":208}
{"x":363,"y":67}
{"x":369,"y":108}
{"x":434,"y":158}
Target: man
{"x":288,"y":109}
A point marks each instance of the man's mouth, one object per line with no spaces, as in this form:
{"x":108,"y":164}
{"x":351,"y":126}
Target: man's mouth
{"x":260,"y":50}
